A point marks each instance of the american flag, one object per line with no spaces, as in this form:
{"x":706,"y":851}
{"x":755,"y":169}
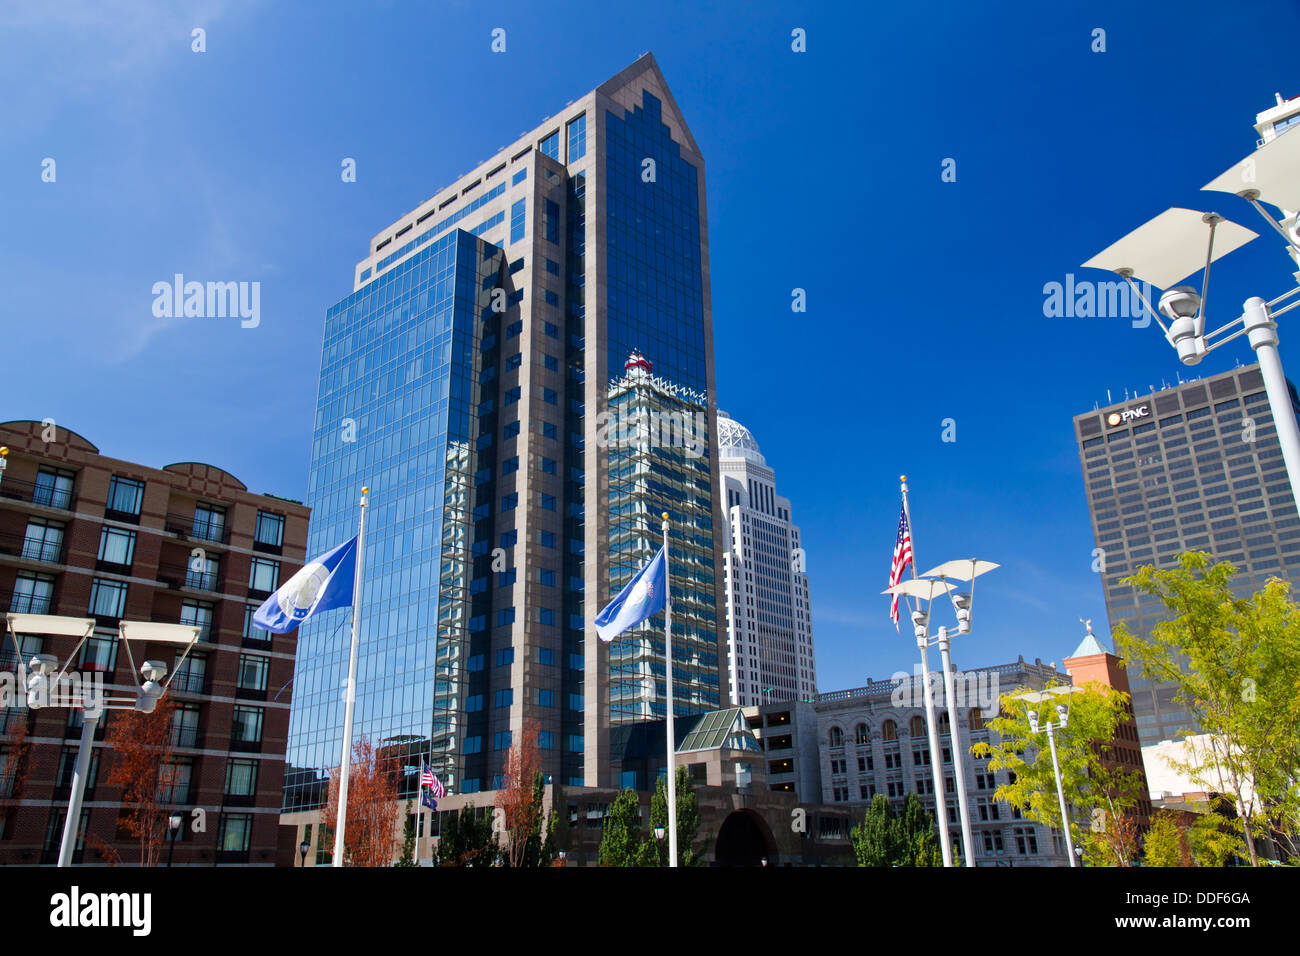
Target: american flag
{"x":902,"y":558}
{"x":427,"y":779}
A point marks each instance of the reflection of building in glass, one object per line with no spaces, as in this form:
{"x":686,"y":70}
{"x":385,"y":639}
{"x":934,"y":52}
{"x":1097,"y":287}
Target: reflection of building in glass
{"x":456,"y":381}
{"x":659,"y":463}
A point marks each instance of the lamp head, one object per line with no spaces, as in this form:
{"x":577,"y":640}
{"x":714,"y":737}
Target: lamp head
{"x":1033,"y":721}
{"x":1180,"y":302}
{"x":153,"y":671}
{"x":43,"y":664}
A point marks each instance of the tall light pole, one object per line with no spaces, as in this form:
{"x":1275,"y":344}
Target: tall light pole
{"x":1063,"y":720}
{"x":934,"y":582}
{"x":45,"y":688}
{"x":1180,"y":242}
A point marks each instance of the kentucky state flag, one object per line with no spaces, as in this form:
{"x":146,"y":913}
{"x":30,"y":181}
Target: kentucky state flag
{"x":642,"y":598}
{"x":319,"y":585}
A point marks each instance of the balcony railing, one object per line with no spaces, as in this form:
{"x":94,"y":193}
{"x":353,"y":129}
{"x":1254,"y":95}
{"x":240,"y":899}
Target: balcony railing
{"x":185,"y":577}
{"x":21,"y":603}
{"x":198,"y":529}
{"x":185,"y":736}
{"x":188,"y":683}
{"x":20,"y":546}
{"x":46,"y":495}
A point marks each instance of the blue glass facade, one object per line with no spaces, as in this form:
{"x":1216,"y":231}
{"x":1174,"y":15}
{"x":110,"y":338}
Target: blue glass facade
{"x":656,"y":294}
{"x":396,"y":410}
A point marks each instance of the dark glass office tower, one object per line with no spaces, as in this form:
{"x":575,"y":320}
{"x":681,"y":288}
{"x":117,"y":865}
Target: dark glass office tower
{"x":461,"y":380}
{"x":1194,"y":467}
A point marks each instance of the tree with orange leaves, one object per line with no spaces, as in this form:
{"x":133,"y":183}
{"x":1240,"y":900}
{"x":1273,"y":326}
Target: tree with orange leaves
{"x":520,"y":799}
{"x":13,"y":759}
{"x":141,"y":745}
{"x":372,"y":807}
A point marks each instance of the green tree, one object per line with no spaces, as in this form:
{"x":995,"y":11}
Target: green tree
{"x":408,"y":839}
{"x":875,"y":839}
{"x":1165,"y":844}
{"x":918,"y":835}
{"x":468,"y":840}
{"x":1100,"y":793}
{"x":620,"y":844}
{"x":1235,"y":665}
{"x":688,"y":819}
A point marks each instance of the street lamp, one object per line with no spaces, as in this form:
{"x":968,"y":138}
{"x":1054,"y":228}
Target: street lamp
{"x":303,"y":847}
{"x":1179,"y":242}
{"x":1063,"y":720}
{"x":925,"y":588}
{"x":45,"y":687}
{"x":174,"y":822}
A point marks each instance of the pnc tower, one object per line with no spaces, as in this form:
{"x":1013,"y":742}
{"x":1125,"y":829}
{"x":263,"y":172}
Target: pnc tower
{"x":461,"y":380}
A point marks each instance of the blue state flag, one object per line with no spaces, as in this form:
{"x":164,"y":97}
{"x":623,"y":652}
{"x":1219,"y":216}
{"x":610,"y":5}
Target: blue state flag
{"x":642,"y":598}
{"x":319,"y":585}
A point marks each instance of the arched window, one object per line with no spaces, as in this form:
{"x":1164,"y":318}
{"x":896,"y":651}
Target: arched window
{"x":918,"y":727}
{"x":889,"y":730}
{"x":862,"y":734}
{"x":837,"y":737}
{"x":976,"y":719}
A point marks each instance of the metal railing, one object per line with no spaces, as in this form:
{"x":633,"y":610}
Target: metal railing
{"x":37,"y":494}
{"x":28,"y":603}
{"x":32,"y":549}
{"x":175,"y":576}
{"x":198,"y":529}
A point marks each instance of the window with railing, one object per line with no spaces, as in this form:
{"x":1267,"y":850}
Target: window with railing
{"x":99,"y":654}
{"x":174,"y":778}
{"x":185,"y":725}
{"x":190,"y":676}
{"x":43,"y":540}
{"x":33,"y":593}
{"x":235,"y":835}
{"x":68,"y":766}
{"x":203,"y":571}
{"x":209,"y":523}
{"x":53,"y":488}
{"x":198,"y":614}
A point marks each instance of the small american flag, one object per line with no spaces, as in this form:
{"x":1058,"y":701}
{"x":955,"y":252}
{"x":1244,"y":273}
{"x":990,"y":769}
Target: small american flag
{"x":427,"y":779}
{"x":902,"y":558}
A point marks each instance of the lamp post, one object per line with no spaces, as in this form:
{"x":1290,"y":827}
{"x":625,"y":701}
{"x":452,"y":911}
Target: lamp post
{"x":303,"y":847}
{"x":1180,"y":242}
{"x":1063,"y":720}
{"x":174,"y":821}
{"x":45,"y":688}
{"x":924,"y":588}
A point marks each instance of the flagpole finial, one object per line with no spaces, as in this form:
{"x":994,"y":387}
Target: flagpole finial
{"x":902,"y":477}
{"x":665,"y":516}
{"x":365,"y":490}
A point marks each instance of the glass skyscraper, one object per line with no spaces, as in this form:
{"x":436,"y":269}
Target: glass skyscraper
{"x":461,"y":381}
{"x":1196,"y":467}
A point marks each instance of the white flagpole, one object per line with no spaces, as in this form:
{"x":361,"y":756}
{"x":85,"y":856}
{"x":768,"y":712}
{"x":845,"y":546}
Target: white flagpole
{"x":932,"y":729}
{"x":345,"y":768}
{"x":672,"y":741}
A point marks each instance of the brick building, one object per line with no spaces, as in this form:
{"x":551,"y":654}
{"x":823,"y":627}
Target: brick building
{"x":84,"y":535}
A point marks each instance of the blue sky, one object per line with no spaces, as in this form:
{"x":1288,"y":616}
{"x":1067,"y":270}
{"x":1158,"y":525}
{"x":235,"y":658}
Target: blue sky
{"x":925,"y":298}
